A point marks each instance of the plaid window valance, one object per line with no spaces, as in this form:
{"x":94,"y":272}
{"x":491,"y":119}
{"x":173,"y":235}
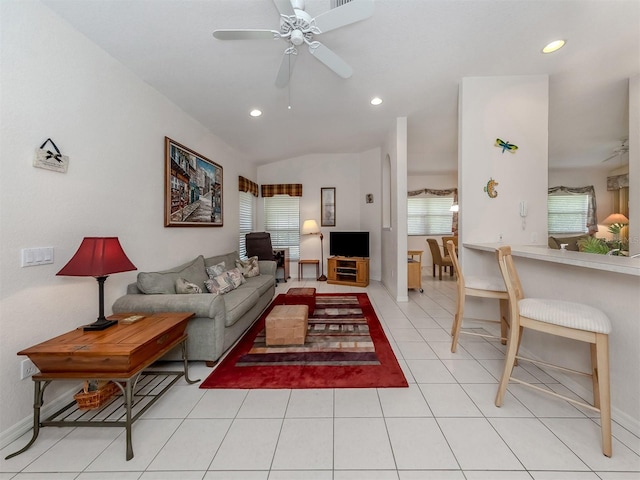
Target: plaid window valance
{"x":291,"y":189}
{"x":246,"y":185}
{"x":440,"y":193}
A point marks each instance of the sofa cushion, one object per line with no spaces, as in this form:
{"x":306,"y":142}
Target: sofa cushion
{"x":262,"y":283}
{"x":165,"y":281}
{"x":238,"y":302}
{"x":572,"y":242}
{"x":228,"y":258}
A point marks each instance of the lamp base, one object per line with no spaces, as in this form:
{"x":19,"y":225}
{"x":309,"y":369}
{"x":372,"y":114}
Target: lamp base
{"x":99,"y":325}
{"x":322,"y":278}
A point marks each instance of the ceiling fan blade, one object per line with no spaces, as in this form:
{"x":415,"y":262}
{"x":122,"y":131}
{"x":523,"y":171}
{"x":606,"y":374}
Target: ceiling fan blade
{"x":615,"y":155}
{"x":330,"y":59}
{"x":246,"y":34}
{"x":349,"y":13}
{"x":286,"y":68}
{"x":284,"y":7}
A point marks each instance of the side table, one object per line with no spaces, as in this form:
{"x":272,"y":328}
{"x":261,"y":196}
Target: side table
{"x":308,"y":262}
{"x":119,"y":354}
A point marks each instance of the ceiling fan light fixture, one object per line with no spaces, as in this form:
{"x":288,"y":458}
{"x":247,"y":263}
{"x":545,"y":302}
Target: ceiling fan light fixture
{"x":376,"y":101}
{"x":553,"y":46}
{"x":255,"y":112}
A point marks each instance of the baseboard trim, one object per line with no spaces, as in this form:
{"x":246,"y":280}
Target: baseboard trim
{"x":26,"y":424}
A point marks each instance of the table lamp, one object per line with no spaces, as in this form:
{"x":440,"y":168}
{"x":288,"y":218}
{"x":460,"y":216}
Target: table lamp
{"x":310,"y":227}
{"x":98,"y":257}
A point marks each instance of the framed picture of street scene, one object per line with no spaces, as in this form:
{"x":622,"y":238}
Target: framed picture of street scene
{"x":193,"y":188}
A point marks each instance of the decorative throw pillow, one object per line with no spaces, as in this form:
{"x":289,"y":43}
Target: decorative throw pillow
{"x":215,"y":270}
{"x":220,"y":284}
{"x":236,"y":277}
{"x":182,"y":286}
{"x":249,"y":267}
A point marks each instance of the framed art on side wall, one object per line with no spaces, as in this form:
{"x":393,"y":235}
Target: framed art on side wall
{"x":193,"y":188}
{"x":328,"y":207}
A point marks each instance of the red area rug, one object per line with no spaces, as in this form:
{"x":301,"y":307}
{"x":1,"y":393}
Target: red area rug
{"x":345,"y":348}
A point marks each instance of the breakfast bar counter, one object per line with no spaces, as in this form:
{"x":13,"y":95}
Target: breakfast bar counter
{"x":609,"y":283}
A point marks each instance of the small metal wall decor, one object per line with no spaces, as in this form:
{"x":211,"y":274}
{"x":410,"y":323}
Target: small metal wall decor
{"x":506,"y":146}
{"x":50,"y":160}
{"x":490,"y":188}
{"x":369,"y":198}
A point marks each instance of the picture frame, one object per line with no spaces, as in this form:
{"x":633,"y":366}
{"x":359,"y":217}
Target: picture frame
{"x":328,"y":207}
{"x":193,"y":188}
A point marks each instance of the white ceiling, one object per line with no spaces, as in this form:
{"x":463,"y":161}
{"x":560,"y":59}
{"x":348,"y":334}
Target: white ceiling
{"x":412,"y":53}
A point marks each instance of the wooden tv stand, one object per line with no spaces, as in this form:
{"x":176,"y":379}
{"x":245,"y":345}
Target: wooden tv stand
{"x":348,"y":271}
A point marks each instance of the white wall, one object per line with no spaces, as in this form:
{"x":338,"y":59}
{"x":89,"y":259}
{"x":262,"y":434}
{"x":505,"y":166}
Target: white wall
{"x":394,"y":239}
{"x":56,"y":83}
{"x":371,"y":213}
{"x":514,"y":109}
{"x":634,"y":165}
{"x":342,"y":171}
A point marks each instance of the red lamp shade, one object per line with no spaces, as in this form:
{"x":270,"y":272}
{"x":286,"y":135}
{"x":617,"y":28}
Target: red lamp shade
{"x":98,"y":257}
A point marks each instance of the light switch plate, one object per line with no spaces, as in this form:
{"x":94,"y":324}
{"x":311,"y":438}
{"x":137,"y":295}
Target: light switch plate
{"x":37,"y":256}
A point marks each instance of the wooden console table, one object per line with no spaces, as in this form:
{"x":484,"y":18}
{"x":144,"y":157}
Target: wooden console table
{"x":120,"y":354}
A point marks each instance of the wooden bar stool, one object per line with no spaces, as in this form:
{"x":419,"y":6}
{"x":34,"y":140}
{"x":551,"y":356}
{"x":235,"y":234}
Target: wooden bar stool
{"x":475,"y":286}
{"x":565,"y":319}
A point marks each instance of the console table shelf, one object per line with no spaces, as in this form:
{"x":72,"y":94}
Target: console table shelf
{"x":352,"y":271}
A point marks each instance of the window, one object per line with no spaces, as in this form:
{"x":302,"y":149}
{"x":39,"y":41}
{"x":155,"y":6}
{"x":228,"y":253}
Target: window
{"x":429,"y":215}
{"x":282,"y":221}
{"x":247,"y":209}
{"x":567,"y":213}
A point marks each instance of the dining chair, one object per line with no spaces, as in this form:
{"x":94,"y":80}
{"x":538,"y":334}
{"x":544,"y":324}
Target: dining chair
{"x":454,"y":239}
{"x":438,"y":259}
{"x":477,"y":286}
{"x":572,"y":320}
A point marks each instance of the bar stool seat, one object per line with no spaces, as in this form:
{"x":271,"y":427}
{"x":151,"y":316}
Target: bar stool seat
{"x":565,"y":314}
{"x":564,"y":319}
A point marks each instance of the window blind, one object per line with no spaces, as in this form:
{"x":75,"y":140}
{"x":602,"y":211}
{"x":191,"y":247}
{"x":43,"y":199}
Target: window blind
{"x":282,"y":221}
{"x":429,"y":215}
{"x":567,"y":213}
{"x":246,"y":215}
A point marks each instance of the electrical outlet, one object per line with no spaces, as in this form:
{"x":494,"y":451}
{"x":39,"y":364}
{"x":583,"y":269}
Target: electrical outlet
{"x":27,"y":368}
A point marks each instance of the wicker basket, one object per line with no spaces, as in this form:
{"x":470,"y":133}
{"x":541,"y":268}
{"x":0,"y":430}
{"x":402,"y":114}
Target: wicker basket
{"x":87,"y":400}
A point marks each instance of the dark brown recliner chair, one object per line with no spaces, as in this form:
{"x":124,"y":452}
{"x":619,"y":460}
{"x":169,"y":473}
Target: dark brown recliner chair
{"x":258,"y":244}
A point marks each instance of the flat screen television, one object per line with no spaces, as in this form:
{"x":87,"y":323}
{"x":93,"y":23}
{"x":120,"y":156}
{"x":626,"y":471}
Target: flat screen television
{"x":349,"y":244}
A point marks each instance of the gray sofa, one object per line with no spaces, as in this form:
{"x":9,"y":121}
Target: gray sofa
{"x":220,"y":319}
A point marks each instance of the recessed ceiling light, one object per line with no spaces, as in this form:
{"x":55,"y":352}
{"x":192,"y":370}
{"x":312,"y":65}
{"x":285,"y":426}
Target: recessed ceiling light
{"x":553,"y":46}
{"x":376,"y":101}
{"x":255,"y":112}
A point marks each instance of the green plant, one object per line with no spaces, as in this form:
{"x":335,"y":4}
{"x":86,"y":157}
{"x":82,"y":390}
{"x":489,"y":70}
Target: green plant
{"x":593,"y":245}
{"x":616,"y":227}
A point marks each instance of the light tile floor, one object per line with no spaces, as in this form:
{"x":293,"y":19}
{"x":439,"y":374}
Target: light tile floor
{"x":444,"y":426}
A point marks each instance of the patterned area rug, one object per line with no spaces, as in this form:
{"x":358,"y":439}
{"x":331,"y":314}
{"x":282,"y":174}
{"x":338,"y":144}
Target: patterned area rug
{"x":345,"y":348}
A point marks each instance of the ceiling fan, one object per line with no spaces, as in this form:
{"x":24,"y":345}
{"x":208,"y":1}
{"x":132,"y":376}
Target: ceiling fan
{"x":620,"y":150}
{"x":297,"y":27}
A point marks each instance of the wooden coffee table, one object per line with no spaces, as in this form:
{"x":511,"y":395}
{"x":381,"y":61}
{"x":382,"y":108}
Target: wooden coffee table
{"x":120,"y":354}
